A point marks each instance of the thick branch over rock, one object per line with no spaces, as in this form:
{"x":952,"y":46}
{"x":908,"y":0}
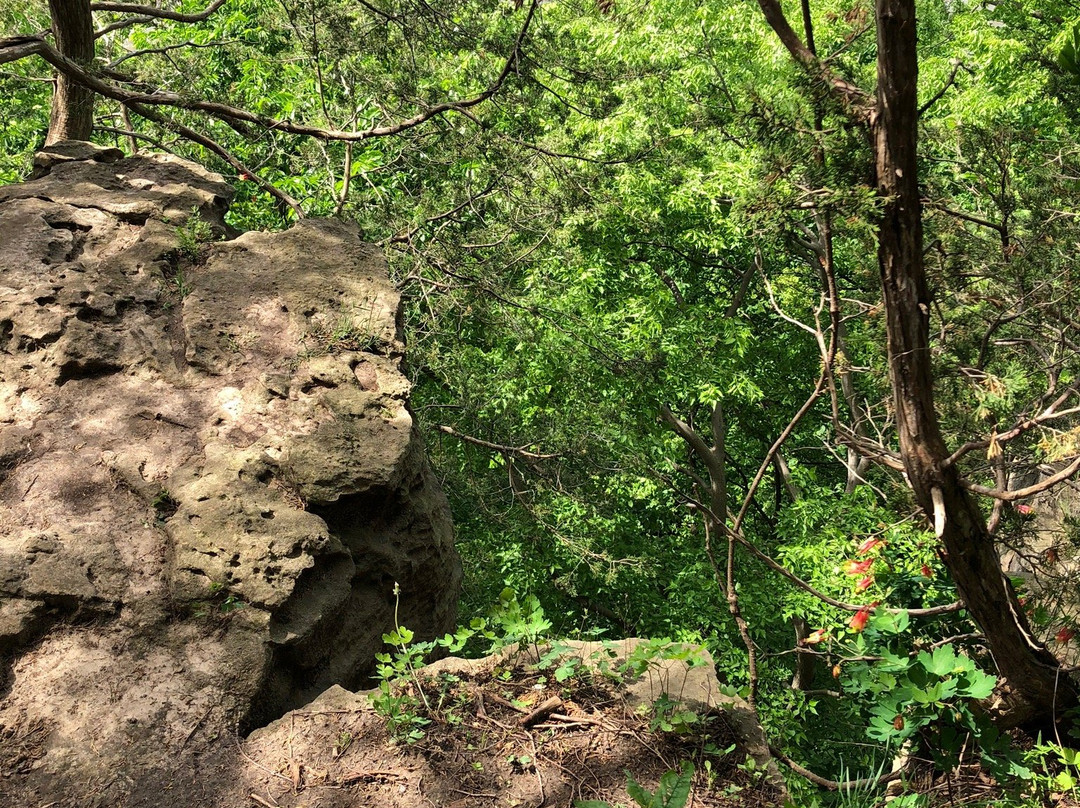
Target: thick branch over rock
{"x":159,"y":13}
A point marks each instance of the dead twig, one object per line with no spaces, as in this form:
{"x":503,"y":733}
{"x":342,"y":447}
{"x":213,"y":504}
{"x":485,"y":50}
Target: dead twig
{"x":540,"y":713}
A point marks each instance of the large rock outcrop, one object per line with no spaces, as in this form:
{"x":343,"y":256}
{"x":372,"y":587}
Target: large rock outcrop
{"x":210,"y":482}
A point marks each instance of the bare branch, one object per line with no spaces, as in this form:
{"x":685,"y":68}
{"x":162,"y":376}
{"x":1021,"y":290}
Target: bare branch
{"x":857,"y":99}
{"x":125,"y":22}
{"x":941,"y":93}
{"x":777,"y":567}
{"x":406,"y":237}
{"x":1023,"y":493}
{"x":519,"y":451}
{"x":1049,"y":414}
{"x":158,"y":13}
{"x":163,"y":49}
{"x":132,"y":136}
{"x":688,"y":434}
{"x":833,"y":785}
{"x":14,"y":48}
{"x":967,"y":217}
{"x":828,"y":360}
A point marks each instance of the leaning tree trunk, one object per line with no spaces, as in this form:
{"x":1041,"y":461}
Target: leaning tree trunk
{"x":1031,"y":671}
{"x":72,"y":116}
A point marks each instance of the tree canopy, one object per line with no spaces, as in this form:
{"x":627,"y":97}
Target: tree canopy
{"x":751,"y":323}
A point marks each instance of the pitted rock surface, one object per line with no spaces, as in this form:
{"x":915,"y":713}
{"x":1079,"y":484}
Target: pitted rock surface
{"x":209,"y":479}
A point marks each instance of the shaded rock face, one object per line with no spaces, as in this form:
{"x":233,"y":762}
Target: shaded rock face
{"x":209,"y":479}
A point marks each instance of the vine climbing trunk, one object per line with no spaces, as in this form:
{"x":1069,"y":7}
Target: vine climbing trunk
{"x":1035,"y":682}
{"x":72,"y":115}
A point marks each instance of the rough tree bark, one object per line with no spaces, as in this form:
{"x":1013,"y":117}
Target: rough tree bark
{"x":1031,"y":671}
{"x":72,"y":115}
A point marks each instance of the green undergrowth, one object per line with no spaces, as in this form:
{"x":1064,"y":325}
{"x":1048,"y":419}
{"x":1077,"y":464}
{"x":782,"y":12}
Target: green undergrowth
{"x":922,"y":704}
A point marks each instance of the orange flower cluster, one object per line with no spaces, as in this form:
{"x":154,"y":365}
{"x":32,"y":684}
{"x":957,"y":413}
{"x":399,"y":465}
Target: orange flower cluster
{"x":858,"y":622}
{"x":853,"y":567}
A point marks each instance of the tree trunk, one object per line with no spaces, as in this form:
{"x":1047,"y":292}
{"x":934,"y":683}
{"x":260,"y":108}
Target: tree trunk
{"x":72,"y":116}
{"x":1031,"y":671}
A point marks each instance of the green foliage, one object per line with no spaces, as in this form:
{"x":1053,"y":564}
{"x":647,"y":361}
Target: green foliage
{"x":220,"y":604}
{"x":346,"y":332}
{"x":672,"y":792}
{"x":1051,"y":769}
{"x":1069,"y":54}
{"x":927,"y":695}
{"x":669,"y":715}
{"x":394,"y":702}
{"x":164,"y":504}
{"x":522,"y":621}
{"x":192,"y":235}
{"x":402,"y":691}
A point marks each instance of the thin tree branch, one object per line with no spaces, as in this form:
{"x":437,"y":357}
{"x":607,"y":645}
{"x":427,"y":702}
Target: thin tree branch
{"x":164,"y":49}
{"x":215,"y":147}
{"x":941,"y":93}
{"x":828,"y":360}
{"x":967,"y":217}
{"x":519,"y":451}
{"x":406,"y":237}
{"x":833,"y":785}
{"x":1004,"y":437}
{"x":125,"y":22}
{"x":1023,"y":493}
{"x":857,"y":99}
{"x":776,"y":566}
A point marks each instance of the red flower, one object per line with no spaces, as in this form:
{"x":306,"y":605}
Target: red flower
{"x":926,"y":571}
{"x":852,"y":567}
{"x":1051,"y":555}
{"x":869,"y":545}
{"x":858,"y":622}
{"x":1024,"y":509}
{"x":1064,"y":634}
{"x":815,"y":637}
{"x":864,"y":584}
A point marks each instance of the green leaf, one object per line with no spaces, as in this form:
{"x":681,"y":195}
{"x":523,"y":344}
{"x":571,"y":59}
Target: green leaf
{"x":674,"y":790}
{"x":980,"y":686}
{"x":1069,"y":55}
{"x":942,"y":663}
{"x":639,"y":795}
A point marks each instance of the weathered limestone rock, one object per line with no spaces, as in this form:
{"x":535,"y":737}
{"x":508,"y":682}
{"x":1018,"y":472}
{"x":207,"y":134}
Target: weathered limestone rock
{"x":209,"y":478}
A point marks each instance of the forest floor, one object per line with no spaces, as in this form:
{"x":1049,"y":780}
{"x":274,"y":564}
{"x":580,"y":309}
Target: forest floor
{"x":515,"y":738}
{"x":496,"y":739}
